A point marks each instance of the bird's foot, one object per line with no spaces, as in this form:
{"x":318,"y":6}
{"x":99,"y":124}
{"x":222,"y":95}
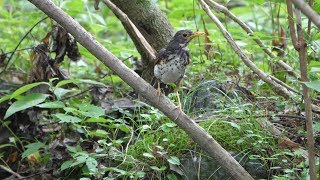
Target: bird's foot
{"x":159,"y":92}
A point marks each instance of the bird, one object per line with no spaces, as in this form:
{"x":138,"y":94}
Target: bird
{"x":171,"y":61}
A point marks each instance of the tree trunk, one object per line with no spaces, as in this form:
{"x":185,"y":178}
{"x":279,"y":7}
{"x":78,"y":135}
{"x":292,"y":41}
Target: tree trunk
{"x":153,"y":25}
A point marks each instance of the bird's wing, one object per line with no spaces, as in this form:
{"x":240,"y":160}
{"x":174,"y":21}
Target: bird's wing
{"x":161,"y":56}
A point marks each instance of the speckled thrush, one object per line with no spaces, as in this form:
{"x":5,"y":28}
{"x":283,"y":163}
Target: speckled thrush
{"x":172,"y":60}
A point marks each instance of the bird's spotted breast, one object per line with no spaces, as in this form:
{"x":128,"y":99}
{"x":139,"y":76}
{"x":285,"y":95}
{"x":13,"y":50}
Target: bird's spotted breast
{"x":171,"y":71}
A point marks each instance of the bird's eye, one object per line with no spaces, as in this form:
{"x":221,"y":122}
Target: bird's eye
{"x":184,"y":34}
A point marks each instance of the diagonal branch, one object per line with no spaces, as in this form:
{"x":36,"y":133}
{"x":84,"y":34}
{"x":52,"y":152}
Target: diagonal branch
{"x":308,"y":11}
{"x":198,"y":134}
{"x":138,"y":36}
{"x":219,"y":8}
{"x":267,"y":78}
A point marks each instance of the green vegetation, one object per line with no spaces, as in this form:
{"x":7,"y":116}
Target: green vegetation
{"x":92,"y":125}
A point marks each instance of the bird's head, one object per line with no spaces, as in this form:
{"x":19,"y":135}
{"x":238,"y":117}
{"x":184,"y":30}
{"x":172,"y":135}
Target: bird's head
{"x":183,"y":37}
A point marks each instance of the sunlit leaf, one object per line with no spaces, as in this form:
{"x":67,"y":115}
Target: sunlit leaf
{"x":32,"y":148}
{"x":174,"y":160}
{"x":64,"y":118}
{"x":313,"y":85}
{"x":66,"y":165}
{"x":52,"y":105}
{"x":25,"y":102}
{"x":25,"y":88}
{"x":90,"y":110}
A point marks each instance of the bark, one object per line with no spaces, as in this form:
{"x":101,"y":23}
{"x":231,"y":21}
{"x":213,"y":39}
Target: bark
{"x":152,"y":24}
{"x":198,"y":134}
{"x":300,"y":45}
{"x":308,"y":11}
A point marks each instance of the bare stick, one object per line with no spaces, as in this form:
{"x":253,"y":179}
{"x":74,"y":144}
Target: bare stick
{"x":219,"y":8}
{"x":301,"y":46}
{"x":125,"y":19}
{"x":11,"y":172}
{"x":309,"y":21}
{"x":267,"y":78}
{"x":198,"y":134}
{"x":308,"y":11}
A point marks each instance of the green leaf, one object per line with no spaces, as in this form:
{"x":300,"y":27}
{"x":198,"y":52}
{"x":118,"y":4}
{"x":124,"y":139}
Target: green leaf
{"x":76,"y":81}
{"x":68,"y":81}
{"x":66,"y":165}
{"x":316,"y":6}
{"x":149,"y":155}
{"x":98,"y":120}
{"x":92,"y":165}
{"x":89,"y":81}
{"x":59,"y":92}
{"x":25,"y":102}
{"x":64,"y":118}
{"x":90,"y":110}
{"x":5,"y":98}
{"x":99,"y":133}
{"x":120,"y":171}
{"x":52,"y":105}
{"x":162,"y":168}
{"x":32,"y":148}
{"x":313,"y":85}
{"x":174,"y":160}
{"x":25,"y":88}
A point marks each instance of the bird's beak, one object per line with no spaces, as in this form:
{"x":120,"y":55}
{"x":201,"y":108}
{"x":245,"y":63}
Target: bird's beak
{"x":195,"y":34}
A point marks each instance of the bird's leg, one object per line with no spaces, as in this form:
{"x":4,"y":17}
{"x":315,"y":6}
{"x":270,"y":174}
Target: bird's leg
{"x":176,"y":89}
{"x":159,"y":91}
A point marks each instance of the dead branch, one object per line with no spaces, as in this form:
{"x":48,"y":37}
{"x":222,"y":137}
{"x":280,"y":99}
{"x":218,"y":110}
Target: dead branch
{"x":267,"y":78}
{"x":11,"y":172}
{"x":308,"y":11}
{"x":134,"y":30}
{"x":198,"y":134}
{"x":219,"y":8}
{"x":301,"y":46}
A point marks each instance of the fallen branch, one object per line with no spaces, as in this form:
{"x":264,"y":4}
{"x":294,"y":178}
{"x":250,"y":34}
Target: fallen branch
{"x":198,"y":134}
{"x":219,"y":8}
{"x":267,"y":78}
{"x":11,"y":172}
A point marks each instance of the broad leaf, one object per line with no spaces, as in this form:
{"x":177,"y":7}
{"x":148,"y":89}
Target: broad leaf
{"x":25,"y":102}
{"x":174,"y":160}
{"x":52,"y":105}
{"x":313,"y":85}
{"x":90,"y":110}
{"x":32,"y":148}
{"x":66,"y":165}
{"x":25,"y":88}
{"x":5,"y":98}
{"x":59,"y":92}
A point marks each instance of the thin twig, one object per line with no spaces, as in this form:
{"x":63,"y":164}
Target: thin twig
{"x":15,"y":49}
{"x":309,"y":21}
{"x":285,"y":85}
{"x":219,"y":8}
{"x":11,"y":172}
{"x":267,"y":78}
